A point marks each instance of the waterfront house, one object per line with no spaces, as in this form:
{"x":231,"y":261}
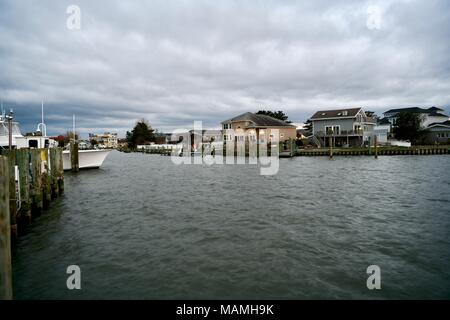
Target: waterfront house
{"x":349,"y":127}
{"x":429,"y":116}
{"x":106,"y":140}
{"x":256,"y":127}
{"x":439,"y":133}
{"x":382,"y":130}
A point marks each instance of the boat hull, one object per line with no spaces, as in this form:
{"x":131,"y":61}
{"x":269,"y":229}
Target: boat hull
{"x":87,"y":159}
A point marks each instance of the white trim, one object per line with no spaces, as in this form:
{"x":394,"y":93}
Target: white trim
{"x":439,"y":125}
{"x":332,"y":118}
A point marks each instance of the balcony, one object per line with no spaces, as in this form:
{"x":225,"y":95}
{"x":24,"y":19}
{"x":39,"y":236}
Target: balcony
{"x":340,"y":133}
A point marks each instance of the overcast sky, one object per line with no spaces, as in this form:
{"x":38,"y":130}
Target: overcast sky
{"x":173,"y":62}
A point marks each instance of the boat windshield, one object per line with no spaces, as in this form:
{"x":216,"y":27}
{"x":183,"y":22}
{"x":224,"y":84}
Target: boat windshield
{"x":16,"y":129}
{"x":4,"y":129}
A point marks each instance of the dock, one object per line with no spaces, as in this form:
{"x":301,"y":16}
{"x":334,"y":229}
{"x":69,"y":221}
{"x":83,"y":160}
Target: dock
{"x":29,"y":180}
{"x":378,"y":151}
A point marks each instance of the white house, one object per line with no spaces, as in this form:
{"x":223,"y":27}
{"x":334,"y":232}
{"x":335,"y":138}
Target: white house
{"x":429,"y":116}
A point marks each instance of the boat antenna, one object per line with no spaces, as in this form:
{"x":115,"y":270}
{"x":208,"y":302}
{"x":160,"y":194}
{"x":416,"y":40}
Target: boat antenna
{"x":41,"y":126}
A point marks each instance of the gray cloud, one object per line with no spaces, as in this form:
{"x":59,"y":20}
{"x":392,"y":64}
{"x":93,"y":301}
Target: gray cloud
{"x":173,"y":62}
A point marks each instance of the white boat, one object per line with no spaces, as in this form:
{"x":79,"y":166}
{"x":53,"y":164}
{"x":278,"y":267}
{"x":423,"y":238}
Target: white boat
{"x":87,"y":159}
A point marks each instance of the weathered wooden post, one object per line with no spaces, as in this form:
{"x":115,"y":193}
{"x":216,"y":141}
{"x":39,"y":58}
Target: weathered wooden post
{"x":375,"y":144}
{"x":23,"y":163}
{"x":36,"y":182}
{"x":293,"y":146}
{"x":11,"y":159}
{"x":45,"y":176}
{"x":60,"y":169}
{"x":54,"y":171}
{"x":5,"y":233}
{"x":74,"y":160}
{"x":331,"y":147}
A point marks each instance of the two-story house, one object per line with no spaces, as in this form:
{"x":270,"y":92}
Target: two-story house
{"x":428,"y":116}
{"x":344,"y":127}
{"x":257,"y":127}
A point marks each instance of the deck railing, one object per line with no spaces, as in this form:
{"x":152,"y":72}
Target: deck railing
{"x":340,"y":133}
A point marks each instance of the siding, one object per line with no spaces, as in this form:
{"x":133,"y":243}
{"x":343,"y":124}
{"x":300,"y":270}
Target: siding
{"x":345,"y":124}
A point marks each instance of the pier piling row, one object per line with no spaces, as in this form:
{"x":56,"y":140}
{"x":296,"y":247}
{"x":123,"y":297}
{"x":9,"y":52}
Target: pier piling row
{"x":29,"y":180}
{"x":377,"y":151}
{"x":35,"y":177}
{"x":5,"y":232}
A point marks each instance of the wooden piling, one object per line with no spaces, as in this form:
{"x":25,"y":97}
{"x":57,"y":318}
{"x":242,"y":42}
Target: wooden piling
{"x":45,"y":176}
{"x":54,"y":172}
{"x":5,"y":232}
{"x":36,"y":182}
{"x":11,"y":159}
{"x":23,"y":163}
{"x":331,"y":147}
{"x":60,"y":169}
{"x":74,"y":160}
{"x":375,"y":145}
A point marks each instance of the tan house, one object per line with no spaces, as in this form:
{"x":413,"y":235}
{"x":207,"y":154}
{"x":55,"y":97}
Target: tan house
{"x":106,"y":140}
{"x":257,"y":127}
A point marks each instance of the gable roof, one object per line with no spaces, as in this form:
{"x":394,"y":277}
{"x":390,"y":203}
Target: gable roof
{"x":445,"y":124}
{"x":433,"y":111}
{"x":383,"y":121}
{"x":337,"y":113}
{"x":259,"y":120}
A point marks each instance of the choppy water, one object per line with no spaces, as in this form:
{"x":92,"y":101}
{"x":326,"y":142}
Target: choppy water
{"x":141,"y":228}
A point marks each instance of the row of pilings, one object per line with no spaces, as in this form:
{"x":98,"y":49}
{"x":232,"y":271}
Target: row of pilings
{"x":29,"y":180}
{"x":285,"y":149}
{"x":388,"y":151}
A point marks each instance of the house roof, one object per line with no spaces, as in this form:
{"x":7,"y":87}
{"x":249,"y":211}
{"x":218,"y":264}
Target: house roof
{"x":337,"y":113}
{"x":445,"y":123}
{"x":383,"y":121}
{"x":433,"y":111}
{"x":259,"y":120}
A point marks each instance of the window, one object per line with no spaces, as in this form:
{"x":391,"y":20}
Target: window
{"x":332,"y":129}
{"x":336,"y":129}
{"x":344,"y":113}
{"x":32,"y":143}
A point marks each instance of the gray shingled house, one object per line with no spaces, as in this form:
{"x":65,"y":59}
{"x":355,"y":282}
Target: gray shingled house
{"x":346,"y":127}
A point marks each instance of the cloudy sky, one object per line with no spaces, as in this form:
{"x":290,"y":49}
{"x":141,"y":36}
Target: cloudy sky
{"x":173,"y":62}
